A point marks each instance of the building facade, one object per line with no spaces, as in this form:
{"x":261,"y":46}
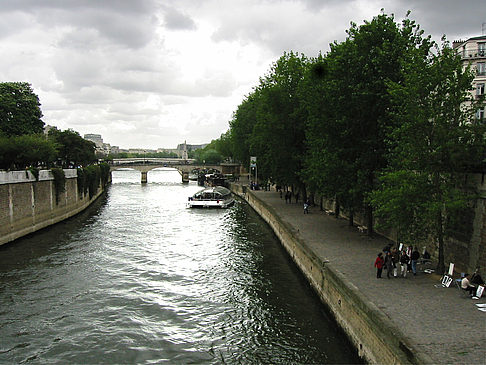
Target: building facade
{"x":473,"y":53}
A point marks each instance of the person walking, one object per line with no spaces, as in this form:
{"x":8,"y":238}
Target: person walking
{"x":404,"y":264}
{"x":379,"y":262}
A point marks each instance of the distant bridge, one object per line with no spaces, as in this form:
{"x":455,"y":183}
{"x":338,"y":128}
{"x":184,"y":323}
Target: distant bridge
{"x":184,"y":167}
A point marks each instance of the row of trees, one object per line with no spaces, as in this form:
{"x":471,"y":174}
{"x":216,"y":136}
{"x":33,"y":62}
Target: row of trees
{"x":22,"y":139}
{"x":383,"y":123}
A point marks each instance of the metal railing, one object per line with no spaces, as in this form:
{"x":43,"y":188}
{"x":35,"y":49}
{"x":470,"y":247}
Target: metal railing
{"x":472,"y":53}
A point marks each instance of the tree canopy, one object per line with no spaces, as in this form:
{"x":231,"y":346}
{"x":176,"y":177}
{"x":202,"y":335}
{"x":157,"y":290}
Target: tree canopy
{"x":20,"y":111}
{"x":383,"y":123}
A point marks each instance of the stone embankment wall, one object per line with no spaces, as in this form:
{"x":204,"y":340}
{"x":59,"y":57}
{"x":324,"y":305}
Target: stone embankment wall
{"x":27,"y":205}
{"x":375,"y":337}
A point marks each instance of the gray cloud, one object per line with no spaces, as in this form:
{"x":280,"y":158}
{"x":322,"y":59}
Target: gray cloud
{"x":174,"y":19}
{"x":151,"y":73}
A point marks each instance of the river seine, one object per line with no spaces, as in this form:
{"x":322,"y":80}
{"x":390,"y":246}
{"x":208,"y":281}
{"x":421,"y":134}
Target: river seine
{"x":139,"y":278}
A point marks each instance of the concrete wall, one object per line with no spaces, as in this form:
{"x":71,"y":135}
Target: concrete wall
{"x":376,"y":339}
{"x":27,"y":205}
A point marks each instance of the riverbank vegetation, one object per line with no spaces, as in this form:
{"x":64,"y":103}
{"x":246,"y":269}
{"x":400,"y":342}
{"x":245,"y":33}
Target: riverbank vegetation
{"x":24,"y":145}
{"x":384,"y":124}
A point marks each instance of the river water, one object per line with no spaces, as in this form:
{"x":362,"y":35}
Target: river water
{"x":139,"y":278}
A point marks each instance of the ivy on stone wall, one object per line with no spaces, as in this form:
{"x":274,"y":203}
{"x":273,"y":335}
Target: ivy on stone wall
{"x":81,"y":180}
{"x":105,"y":173}
{"x":35,"y":172}
{"x":93,"y":174}
{"x":59,"y":182}
{"x":90,"y":177}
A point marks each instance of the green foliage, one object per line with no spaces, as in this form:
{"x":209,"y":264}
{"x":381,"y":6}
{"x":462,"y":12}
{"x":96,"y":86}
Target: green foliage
{"x":208,"y":155}
{"x":270,"y":123}
{"x":19,"y":110}
{"x":104,"y":173}
{"x":19,"y":152}
{"x":384,"y":121}
{"x":35,"y":172}
{"x":93,"y":175}
{"x":59,"y":182}
{"x":90,"y":177}
{"x":435,"y":138}
{"x":81,"y":181}
{"x":73,"y":149}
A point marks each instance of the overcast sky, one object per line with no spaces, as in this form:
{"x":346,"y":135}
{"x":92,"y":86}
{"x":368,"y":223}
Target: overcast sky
{"x":153,"y":73}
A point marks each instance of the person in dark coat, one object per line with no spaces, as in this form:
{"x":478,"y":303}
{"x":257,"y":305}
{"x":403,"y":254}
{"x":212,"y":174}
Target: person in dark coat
{"x":389,"y":264}
{"x":414,"y":258}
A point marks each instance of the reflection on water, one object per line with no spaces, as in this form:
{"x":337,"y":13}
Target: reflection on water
{"x":139,"y":278}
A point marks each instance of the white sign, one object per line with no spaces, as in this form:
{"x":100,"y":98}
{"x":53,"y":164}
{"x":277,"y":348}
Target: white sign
{"x":480,"y":290}
{"x":446,"y":281}
{"x":253,"y":160}
{"x":451,"y":269}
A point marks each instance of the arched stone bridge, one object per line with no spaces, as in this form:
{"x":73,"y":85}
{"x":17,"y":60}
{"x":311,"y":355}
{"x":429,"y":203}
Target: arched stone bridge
{"x":184,"y":167}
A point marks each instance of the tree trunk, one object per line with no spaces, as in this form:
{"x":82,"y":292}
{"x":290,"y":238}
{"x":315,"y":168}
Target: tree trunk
{"x":369,"y":208}
{"x":369,"y":217}
{"x":440,"y":236}
{"x":336,"y":208}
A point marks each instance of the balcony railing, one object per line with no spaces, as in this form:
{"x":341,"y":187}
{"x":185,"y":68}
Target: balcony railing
{"x":473,"y":53}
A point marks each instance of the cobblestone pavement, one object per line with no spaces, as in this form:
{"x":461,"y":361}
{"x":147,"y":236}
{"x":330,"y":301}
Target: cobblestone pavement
{"x":442,"y":322}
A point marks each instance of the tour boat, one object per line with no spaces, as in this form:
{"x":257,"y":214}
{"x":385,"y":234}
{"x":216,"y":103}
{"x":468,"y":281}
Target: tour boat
{"x":213,"y":197}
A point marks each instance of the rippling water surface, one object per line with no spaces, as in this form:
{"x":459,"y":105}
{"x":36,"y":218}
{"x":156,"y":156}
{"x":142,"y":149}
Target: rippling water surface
{"x":139,"y":278}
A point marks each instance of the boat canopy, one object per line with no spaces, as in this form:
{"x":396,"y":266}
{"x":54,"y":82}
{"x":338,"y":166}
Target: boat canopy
{"x":217,"y":192}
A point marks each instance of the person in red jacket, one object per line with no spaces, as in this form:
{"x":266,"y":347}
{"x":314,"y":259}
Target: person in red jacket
{"x":379,"y":262}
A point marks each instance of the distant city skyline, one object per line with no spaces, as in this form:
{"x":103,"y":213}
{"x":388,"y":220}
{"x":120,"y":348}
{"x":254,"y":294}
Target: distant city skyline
{"x":154,"y":73}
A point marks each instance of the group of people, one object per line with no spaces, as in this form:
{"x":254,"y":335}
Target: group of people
{"x":394,"y":259}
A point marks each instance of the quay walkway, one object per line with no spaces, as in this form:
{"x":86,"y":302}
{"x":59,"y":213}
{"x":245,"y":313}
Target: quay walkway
{"x":440,"y":323}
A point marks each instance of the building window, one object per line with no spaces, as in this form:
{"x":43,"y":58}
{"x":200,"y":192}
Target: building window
{"x":482,"y":49}
{"x":480,"y":114}
{"x":480,"y":89}
{"x":481,"y":68}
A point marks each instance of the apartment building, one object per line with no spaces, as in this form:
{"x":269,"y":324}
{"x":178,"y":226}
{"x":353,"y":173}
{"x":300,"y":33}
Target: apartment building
{"x":473,"y":52}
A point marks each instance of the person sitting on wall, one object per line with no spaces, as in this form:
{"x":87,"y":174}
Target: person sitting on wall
{"x":467,"y":286}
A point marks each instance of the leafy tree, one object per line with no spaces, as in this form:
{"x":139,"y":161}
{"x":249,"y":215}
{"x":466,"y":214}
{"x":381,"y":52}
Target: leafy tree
{"x":20,"y":111}
{"x":434,"y":140}
{"x":351,"y":126}
{"x":74,"y":150}
{"x":278,"y":137}
{"x":208,"y":155}
{"x":241,"y":127}
{"x":23,"y":151}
